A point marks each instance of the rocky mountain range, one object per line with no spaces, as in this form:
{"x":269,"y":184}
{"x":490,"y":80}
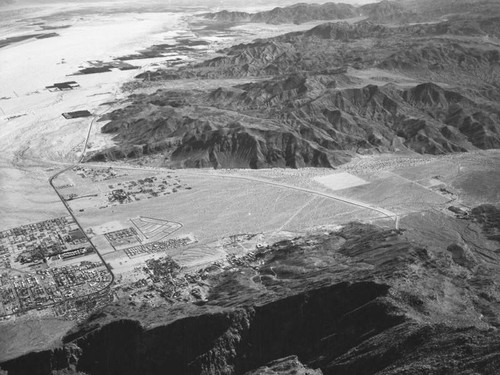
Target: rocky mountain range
{"x":297,"y":121}
{"x":434,"y":88}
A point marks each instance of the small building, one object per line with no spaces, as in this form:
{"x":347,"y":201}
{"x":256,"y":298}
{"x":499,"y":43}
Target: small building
{"x":61,"y":86}
{"x":76,"y":114}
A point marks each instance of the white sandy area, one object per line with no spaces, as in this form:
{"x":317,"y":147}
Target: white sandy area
{"x":26,"y":68}
{"x":36,"y":63}
{"x":339,"y":181}
{"x":41,"y":132}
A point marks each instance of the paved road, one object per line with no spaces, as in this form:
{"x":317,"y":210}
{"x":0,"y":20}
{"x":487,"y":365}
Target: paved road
{"x":51,"y":182}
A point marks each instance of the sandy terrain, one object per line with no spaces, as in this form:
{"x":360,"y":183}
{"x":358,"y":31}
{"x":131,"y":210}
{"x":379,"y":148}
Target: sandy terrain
{"x":339,"y":181}
{"x":217,"y":207}
{"x":35,"y":333}
{"x":40,"y":132}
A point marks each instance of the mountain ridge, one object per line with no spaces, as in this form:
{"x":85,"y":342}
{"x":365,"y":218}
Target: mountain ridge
{"x":297,"y":13}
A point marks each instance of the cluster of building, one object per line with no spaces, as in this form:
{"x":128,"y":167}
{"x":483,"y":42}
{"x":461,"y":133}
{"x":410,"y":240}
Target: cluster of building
{"x":97,"y":66}
{"x":20,"y":292}
{"x":36,"y":242}
{"x":4,"y":255}
{"x":75,"y":253}
{"x":146,"y":188}
{"x":79,"y":309}
{"x":122,"y":237}
{"x":158,"y":246}
{"x":97,"y":174}
{"x":165,"y":271}
{"x":164,"y":280}
{"x":63,"y":86}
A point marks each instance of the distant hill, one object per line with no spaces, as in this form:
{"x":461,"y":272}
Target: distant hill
{"x":411,"y":11}
{"x":298,"y":13}
{"x":389,"y":11}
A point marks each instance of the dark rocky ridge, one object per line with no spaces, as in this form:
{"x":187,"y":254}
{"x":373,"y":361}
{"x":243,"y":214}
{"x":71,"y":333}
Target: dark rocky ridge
{"x":309,"y":108}
{"x":361,"y":300}
{"x":361,"y":45}
{"x":298,"y":121}
{"x":336,"y":45}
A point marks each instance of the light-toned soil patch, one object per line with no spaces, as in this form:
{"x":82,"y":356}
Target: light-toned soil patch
{"x":339,"y":181}
{"x":396,"y":194}
{"x":27,"y":334}
{"x":216,"y":207}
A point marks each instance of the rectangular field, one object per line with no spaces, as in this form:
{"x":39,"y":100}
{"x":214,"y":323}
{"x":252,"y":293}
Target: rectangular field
{"x":339,"y":181}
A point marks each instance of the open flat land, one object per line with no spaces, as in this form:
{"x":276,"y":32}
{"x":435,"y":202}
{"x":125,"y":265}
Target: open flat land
{"x":207,"y":206}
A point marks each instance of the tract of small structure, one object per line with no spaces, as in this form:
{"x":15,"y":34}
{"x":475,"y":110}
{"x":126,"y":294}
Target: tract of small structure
{"x":122,"y":237}
{"x":46,"y":263}
{"x":159,"y":246}
{"x":76,"y":114}
{"x":62,"y":86}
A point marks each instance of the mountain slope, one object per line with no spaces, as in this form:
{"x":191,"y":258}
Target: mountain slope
{"x":298,"y":121}
{"x":323,"y":96}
